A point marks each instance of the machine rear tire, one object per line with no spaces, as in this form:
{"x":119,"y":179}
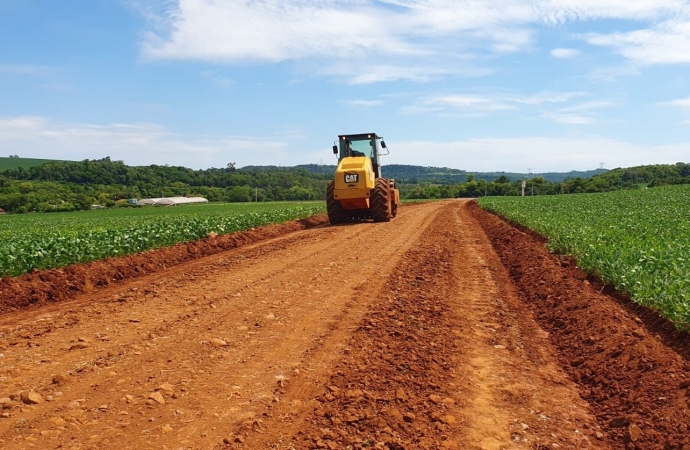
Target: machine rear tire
{"x":380,"y":201}
{"x":336,"y":213}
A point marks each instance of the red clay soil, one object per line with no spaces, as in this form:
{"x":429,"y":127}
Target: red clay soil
{"x":638,"y":387}
{"x":410,"y":334}
{"x":389,"y":387}
{"x":444,"y":357}
{"x":47,"y":286}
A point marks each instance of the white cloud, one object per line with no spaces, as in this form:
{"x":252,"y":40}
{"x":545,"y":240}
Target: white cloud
{"x":272,"y":30}
{"x":665,"y":43}
{"x":18,"y":124}
{"x":579,"y":114}
{"x":145,"y":144}
{"x":361,"y":72}
{"x":569,"y":119}
{"x":362,"y":102}
{"x":547,"y":97}
{"x":468,"y":102}
{"x":564,"y":53}
{"x":611,"y":74}
{"x":416,"y":109}
{"x":136,"y":144}
{"x":218,"y":81}
{"x":26,"y":69}
{"x":401,"y":33}
{"x":549,"y":105}
{"x":542,"y":154}
{"x":683,"y":103}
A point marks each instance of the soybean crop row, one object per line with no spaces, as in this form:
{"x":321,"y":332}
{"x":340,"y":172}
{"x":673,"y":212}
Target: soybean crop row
{"x":636,"y":240}
{"x":43,"y":241}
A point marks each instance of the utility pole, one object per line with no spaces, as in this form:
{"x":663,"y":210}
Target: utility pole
{"x":256,"y":195}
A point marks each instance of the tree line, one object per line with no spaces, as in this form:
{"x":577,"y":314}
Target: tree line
{"x":69,"y":186}
{"x":622,"y":178}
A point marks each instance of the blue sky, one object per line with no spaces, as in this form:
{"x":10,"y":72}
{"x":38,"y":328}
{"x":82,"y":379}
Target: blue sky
{"x":480,"y":85}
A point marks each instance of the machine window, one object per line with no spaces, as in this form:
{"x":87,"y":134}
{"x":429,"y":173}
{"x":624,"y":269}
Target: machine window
{"x":364,"y":147}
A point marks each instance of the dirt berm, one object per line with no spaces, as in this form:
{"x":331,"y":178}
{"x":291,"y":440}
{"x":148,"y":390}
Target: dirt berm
{"x":411,"y":334}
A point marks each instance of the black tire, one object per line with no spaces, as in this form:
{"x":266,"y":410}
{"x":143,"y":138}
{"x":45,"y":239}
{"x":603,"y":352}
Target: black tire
{"x":380,"y":201}
{"x":336,"y":213}
{"x":394,"y":206}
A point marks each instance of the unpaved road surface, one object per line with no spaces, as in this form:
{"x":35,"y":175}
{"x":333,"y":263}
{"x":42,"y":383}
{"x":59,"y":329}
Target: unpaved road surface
{"x":445,"y":328}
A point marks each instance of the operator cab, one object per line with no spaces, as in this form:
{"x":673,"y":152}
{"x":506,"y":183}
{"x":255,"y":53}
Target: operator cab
{"x":358,"y":145}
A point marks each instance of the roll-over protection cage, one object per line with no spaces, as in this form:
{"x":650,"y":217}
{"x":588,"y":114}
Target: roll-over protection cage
{"x":345,"y":149}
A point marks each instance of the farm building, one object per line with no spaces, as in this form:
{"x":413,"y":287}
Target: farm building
{"x":171,"y":201}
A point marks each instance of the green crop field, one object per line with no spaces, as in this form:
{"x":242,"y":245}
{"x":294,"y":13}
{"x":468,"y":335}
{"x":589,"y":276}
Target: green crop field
{"x":42,"y":241}
{"x":637,"y":240}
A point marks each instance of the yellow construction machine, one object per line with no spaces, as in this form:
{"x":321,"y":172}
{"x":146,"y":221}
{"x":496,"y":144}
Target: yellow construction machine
{"x":358,"y":191}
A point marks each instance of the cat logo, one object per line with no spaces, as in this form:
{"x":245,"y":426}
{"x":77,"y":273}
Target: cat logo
{"x":351,"y":178}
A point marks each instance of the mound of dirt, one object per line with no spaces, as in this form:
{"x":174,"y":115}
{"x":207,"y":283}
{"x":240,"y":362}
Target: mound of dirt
{"x":388,"y":390}
{"x":638,"y":387}
{"x":45,"y":286}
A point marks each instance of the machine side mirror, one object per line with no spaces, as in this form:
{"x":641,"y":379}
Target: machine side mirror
{"x":383,"y":143}
{"x":335,"y":149}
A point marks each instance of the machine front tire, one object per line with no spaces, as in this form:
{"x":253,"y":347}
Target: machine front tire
{"x":380,"y":201}
{"x":336,"y":213}
{"x":395,"y":198}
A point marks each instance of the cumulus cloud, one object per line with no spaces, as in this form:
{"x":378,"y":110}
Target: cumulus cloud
{"x":219,"y":81}
{"x":366,"y":103}
{"x":542,"y":154}
{"x":547,"y":97}
{"x":468,"y":102}
{"x":26,"y":69}
{"x":578,"y":114}
{"x":665,"y":43}
{"x":145,"y":144}
{"x":135,"y":143}
{"x":394,"y":31}
{"x":569,"y":119}
{"x":565,"y":53}
{"x":359,"y":72}
{"x":683,"y":103}
{"x":555,"y":106}
{"x":611,"y":74}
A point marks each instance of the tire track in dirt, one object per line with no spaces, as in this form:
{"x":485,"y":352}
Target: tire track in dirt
{"x":439,"y":361}
{"x":517,"y":396}
{"x":638,"y":387}
{"x":186,"y":355}
{"x":401,"y":335}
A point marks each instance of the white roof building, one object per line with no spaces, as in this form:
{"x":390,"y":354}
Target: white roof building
{"x":171,"y":201}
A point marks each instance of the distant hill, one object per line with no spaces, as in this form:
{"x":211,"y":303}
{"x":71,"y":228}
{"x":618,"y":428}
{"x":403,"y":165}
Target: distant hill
{"x":403,"y":173}
{"x":15,"y":163}
{"x":69,"y":185}
{"x":445,"y":175}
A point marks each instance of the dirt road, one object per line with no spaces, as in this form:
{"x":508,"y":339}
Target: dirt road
{"x":403,"y":335}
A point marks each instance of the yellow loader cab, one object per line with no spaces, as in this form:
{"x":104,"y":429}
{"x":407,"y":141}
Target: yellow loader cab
{"x":358,"y":191}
